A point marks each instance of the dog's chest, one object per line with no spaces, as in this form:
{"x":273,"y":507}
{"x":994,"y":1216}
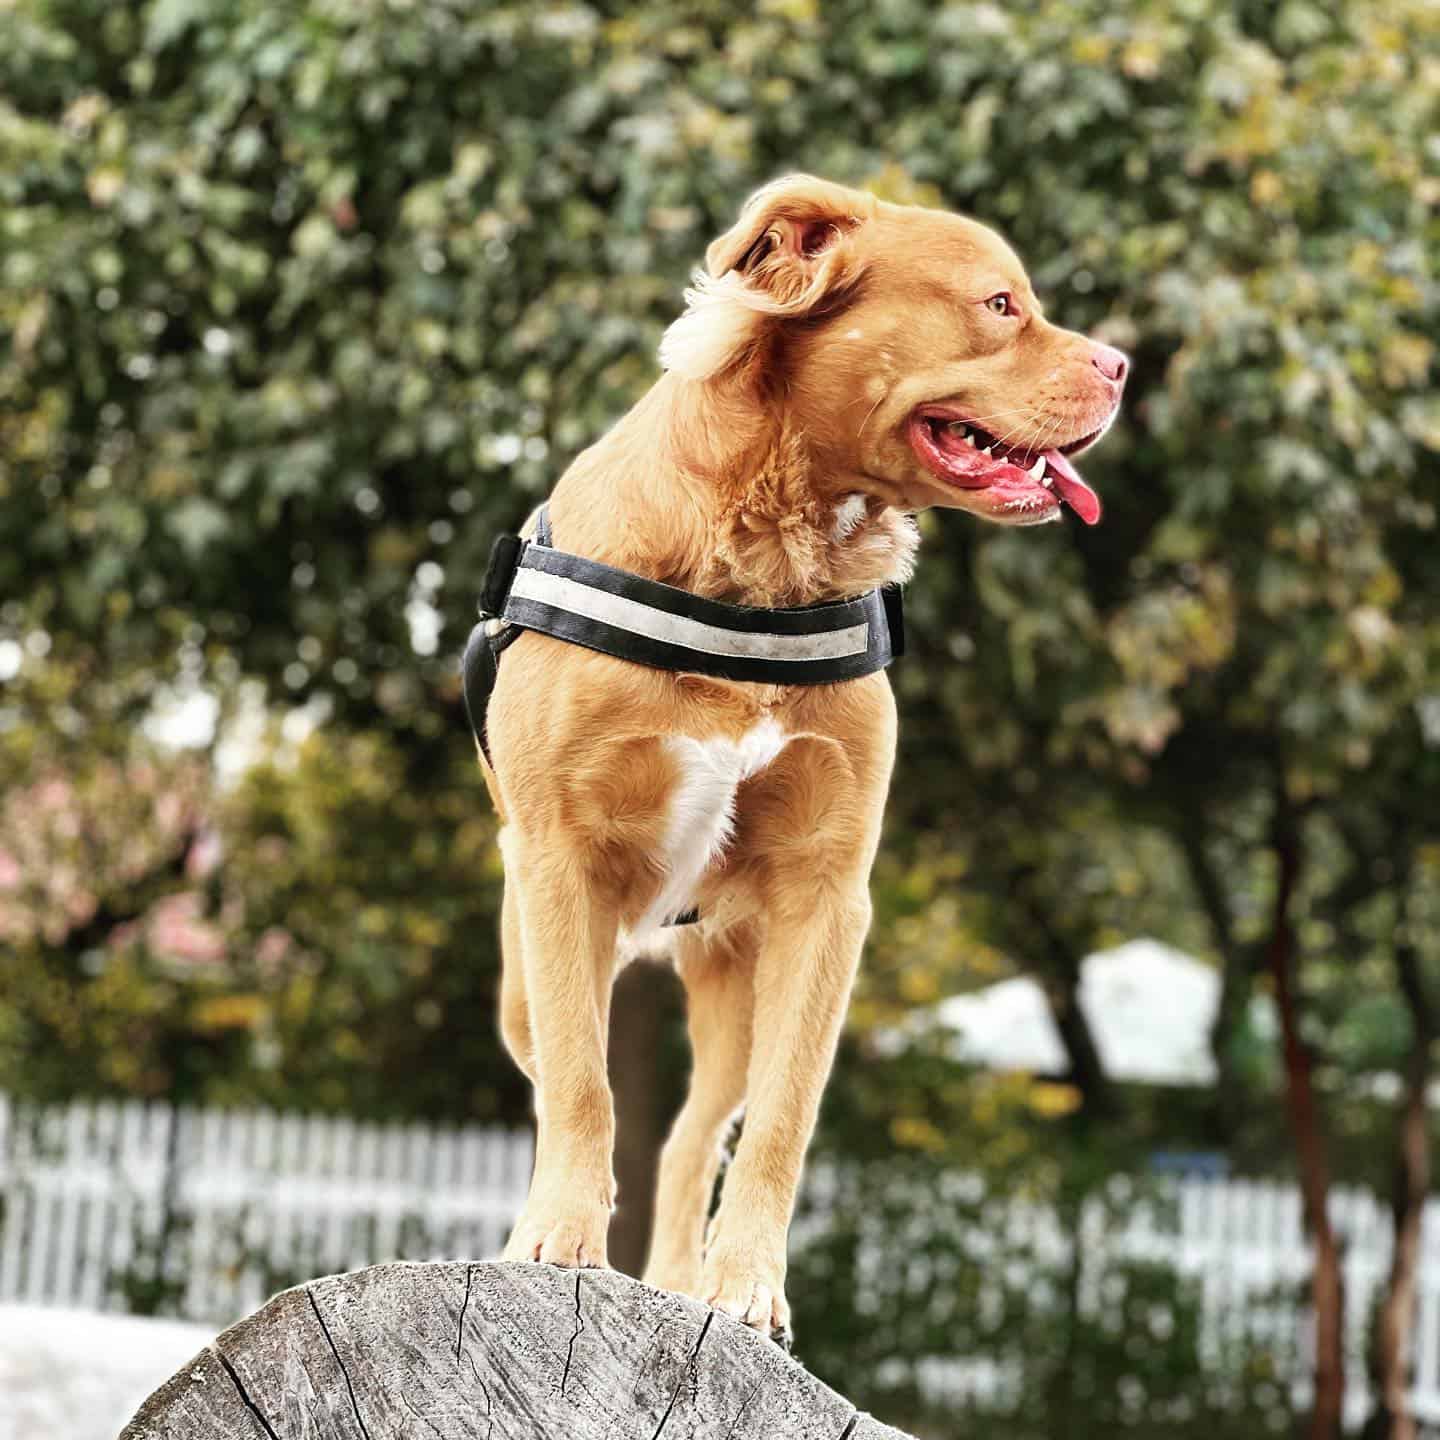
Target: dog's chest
{"x":702,"y":808}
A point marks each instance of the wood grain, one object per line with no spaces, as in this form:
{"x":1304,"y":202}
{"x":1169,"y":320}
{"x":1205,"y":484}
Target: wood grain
{"x":493,"y":1352}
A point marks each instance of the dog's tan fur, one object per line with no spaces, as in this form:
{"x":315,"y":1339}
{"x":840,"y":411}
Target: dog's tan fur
{"x":768,"y":466}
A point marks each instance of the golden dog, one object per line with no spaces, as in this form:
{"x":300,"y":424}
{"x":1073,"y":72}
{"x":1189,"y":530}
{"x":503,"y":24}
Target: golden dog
{"x":844,"y":363}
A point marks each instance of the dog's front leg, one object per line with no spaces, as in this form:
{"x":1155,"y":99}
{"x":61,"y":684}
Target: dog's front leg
{"x":567,"y":937}
{"x":802,"y":987}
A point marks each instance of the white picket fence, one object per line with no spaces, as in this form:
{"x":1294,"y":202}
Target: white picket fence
{"x":1241,"y":1242}
{"x":1244,"y":1241}
{"x":204,"y":1214}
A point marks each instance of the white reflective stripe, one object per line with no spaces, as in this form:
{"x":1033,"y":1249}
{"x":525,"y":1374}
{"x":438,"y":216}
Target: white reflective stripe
{"x":567,"y":594}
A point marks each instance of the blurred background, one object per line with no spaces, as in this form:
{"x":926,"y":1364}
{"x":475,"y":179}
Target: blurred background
{"x":300,"y":304}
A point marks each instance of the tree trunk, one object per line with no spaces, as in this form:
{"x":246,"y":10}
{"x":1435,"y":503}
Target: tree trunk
{"x":1061,"y":984}
{"x":644,"y":994}
{"x":493,"y":1352}
{"x":1062,"y":1390}
{"x":1236,"y":974}
{"x":1327,"y":1296}
{"x":1087,"y":1069}
{"x":1412,"y":1181}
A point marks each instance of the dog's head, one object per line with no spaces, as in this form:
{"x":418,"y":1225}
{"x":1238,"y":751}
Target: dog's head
{"x":909,"y":347}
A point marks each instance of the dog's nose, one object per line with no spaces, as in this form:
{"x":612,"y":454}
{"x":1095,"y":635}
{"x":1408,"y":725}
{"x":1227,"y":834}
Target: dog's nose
{"x":1110,"y":362}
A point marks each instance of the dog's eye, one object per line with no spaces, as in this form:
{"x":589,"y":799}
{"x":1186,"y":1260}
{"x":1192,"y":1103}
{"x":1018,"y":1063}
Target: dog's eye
{"x":1001,"y":304}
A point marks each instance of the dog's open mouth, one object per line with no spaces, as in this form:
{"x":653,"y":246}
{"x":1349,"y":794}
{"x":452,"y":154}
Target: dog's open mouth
{"x":1029,"y":484}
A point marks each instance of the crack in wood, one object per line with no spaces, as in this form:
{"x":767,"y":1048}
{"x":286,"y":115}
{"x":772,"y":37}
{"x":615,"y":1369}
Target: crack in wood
{"x":465,"y":1305}
{"x":489,"y":1403}
{"x":579,"y":1326}
{"x":474,"y":1370}
{"x":641,"y":1375}
{"x":689,"y":1368}
{"x":739,"y":1414}
{"x":250,"y":1405}
{"x":354,"y":1403}
{"x":405,"y":1400}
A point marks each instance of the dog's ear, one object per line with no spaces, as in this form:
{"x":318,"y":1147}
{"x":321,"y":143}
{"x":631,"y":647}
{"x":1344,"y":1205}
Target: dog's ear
{"x":786,"y":242}
{"x":789,"y":254}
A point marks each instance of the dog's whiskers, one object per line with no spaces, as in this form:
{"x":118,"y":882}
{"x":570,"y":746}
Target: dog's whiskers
{"x":1013,"y":410}
{"x":996,"y":414}
{"x":1053,"y":428}
{"x":1017,"y":427}
{"x":1030,"y":413}
{"x":868,"y":416}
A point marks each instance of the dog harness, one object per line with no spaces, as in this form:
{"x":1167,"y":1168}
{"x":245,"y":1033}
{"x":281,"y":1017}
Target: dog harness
{"x":530,"y":585}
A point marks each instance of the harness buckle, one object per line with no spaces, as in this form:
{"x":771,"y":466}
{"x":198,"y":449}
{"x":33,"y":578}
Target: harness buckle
{"x":505,"y":554}
{"x":894,"y":602}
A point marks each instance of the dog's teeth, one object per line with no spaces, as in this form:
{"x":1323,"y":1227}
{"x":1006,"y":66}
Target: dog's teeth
{"x":1037,"y":469}
{"x":1048,"y":482}
{"x":969,"y":439}
{"x":986,"y":451}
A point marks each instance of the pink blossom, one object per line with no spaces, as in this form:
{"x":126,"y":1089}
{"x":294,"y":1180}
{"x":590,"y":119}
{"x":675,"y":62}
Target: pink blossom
{"x":179,"y":931}
{"x":204,"y":855}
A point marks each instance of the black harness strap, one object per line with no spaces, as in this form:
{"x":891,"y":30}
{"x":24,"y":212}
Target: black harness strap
{"x":530,"y":585}
{"x":636,"y":619}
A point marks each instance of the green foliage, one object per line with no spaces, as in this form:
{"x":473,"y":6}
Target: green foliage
{"x":316,"y":936}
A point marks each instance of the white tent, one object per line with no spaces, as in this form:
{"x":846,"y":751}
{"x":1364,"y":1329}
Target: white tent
{"x":1150,"y":1009}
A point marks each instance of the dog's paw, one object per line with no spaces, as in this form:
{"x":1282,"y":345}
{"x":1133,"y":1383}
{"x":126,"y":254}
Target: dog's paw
{"x":736,"y":1284}
{"x":575,"y":1239}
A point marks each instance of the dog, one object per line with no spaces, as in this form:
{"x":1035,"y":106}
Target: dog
{"x":841,"y":363}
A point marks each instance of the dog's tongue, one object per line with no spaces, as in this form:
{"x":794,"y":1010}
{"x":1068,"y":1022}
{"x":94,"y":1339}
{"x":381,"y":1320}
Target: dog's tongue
{"x":1073,"y":490}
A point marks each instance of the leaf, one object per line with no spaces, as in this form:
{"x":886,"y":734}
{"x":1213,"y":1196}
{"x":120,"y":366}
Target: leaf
{"x":168,"y":20}
{"x":197,"y":523}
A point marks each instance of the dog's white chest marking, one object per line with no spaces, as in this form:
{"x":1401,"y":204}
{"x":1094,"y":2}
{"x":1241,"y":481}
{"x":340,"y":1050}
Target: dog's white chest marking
{"x":702,"y":810}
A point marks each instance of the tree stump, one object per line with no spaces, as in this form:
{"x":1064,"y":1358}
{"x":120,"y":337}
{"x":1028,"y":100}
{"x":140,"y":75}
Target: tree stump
{"x":495,"y":1352}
